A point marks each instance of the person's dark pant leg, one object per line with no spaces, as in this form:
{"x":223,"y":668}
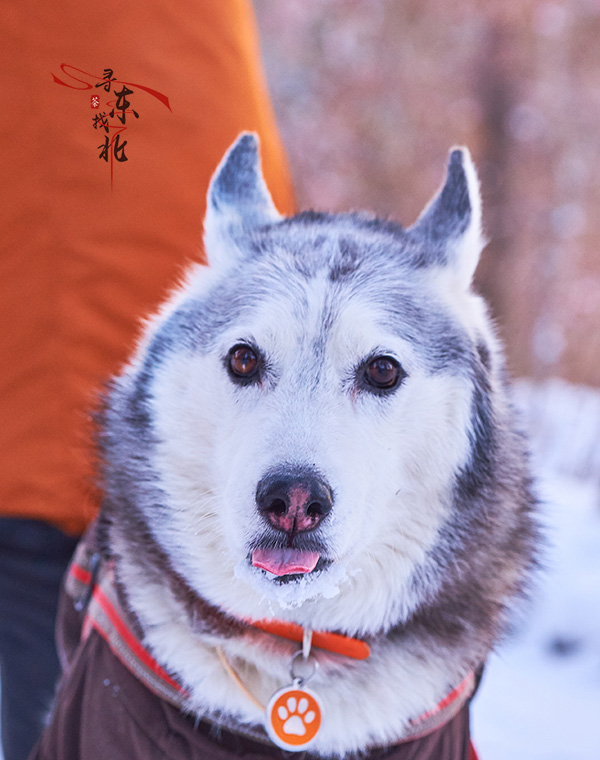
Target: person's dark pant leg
{"x":33,"y":559}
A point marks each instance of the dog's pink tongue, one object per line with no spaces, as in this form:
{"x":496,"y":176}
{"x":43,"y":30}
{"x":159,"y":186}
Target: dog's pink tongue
{"x":285,"y":561}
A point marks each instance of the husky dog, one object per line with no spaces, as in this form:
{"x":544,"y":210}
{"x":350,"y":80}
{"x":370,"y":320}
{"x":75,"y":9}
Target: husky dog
{"x":316,"y":429}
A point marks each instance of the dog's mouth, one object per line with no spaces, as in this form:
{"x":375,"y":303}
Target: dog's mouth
{"x":285,"y":561}
{"x":287,"y":564}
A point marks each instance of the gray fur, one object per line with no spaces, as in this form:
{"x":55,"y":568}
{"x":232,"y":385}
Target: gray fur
{"x":485,"y":549}
{"x":448,"y":215}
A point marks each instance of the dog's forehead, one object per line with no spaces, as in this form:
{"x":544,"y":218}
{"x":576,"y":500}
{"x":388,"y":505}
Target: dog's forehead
{"x":345,"y":246}
{"x":333,"y":269}
{"x":325,"y":273}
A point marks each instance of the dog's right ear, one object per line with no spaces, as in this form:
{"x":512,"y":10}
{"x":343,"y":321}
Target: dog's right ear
{"x":449,"y":229}
{"x":238,"y":200}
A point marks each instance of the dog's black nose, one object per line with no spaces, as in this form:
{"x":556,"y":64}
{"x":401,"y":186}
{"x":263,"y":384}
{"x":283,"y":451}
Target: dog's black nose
{"x":294,"y":500}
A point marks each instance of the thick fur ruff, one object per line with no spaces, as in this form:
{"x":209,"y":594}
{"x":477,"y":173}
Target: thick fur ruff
{"x":430,"y":536}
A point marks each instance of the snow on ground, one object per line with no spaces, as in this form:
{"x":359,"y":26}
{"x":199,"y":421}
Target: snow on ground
{"x":540,"y":696}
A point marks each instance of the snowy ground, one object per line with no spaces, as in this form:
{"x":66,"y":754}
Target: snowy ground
{"x":540,"y":696}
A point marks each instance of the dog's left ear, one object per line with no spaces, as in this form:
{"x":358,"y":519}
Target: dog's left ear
{"x":238,"y":200}
{"x":448,"y":232}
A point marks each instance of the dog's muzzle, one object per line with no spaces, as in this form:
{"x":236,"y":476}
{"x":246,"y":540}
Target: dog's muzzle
{"x":292,"y":501}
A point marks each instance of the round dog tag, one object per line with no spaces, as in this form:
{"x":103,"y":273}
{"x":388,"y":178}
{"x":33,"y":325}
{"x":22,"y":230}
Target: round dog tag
{"x":293,"y":717}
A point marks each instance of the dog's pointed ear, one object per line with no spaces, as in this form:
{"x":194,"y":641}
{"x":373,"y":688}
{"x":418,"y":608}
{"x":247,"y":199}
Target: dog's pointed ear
{"x":238,"y":200}
{"x":449,"y":230}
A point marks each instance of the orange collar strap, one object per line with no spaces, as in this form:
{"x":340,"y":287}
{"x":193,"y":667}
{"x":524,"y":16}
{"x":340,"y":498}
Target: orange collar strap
{"x":331,"y":642}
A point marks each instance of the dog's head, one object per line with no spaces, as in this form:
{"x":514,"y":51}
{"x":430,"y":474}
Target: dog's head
{"x":310,"y":416}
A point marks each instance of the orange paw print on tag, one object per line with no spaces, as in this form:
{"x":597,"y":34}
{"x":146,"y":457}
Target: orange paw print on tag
{"x":293,"y":718}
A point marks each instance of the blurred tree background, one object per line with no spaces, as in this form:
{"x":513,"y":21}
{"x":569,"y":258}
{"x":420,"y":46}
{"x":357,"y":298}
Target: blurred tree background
{"x":370,"y":96}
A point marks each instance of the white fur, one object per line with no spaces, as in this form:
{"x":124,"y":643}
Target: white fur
{"x":390,"y":463}
{"x":217,"y":443}
{"x":472,"y":241}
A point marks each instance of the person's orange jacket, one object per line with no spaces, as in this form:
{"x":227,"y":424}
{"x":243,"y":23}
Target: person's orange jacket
{"x":114,"y":117}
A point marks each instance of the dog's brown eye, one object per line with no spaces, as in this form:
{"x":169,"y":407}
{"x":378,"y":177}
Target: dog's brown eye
{"x":383,"y":372}
{"x":243,"y":362}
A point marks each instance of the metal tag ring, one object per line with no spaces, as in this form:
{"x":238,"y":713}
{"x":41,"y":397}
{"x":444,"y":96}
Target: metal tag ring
{"x":303,"y":668}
